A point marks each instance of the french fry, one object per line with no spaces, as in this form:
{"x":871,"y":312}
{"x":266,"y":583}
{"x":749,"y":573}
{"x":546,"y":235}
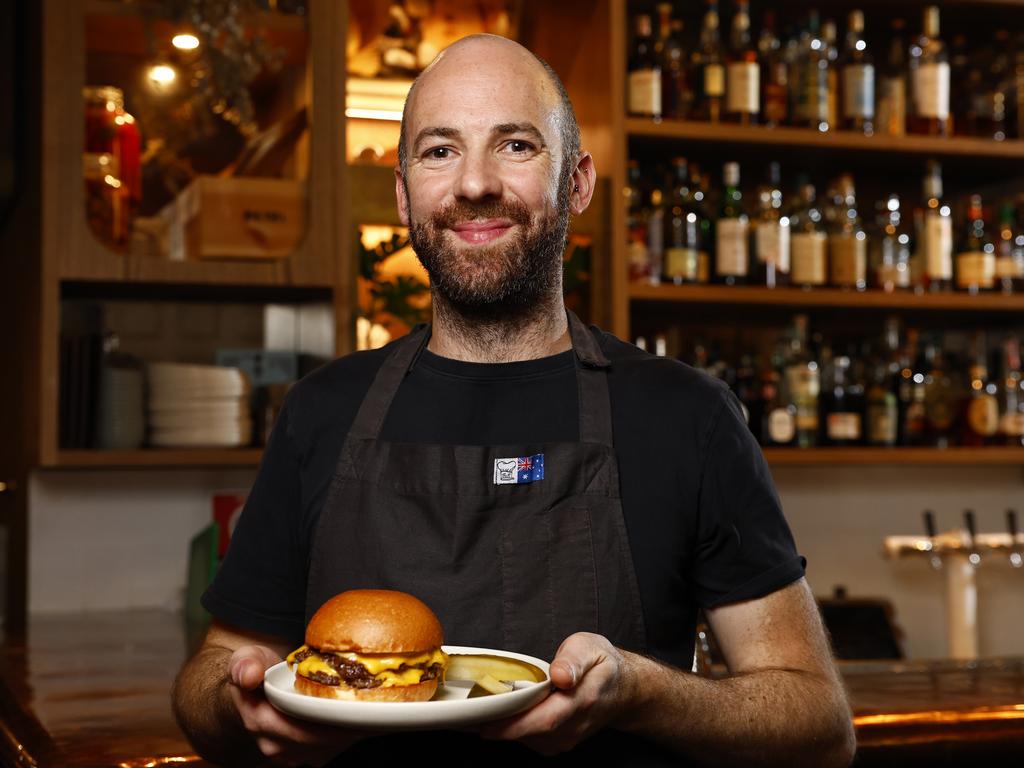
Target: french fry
{"x":472,"y":667}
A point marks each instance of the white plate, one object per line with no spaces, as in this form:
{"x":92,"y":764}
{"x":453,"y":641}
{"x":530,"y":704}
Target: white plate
{"x":448,"y":709}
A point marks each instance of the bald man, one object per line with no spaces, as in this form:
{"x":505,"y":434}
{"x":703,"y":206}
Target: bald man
{"x":641,"y":497}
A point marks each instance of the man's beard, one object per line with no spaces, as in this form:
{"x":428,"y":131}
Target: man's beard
{"x":494,"y":283}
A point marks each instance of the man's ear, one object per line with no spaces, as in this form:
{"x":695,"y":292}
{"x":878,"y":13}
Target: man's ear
{"x":584,"y":178}
{"x":401,"y":197}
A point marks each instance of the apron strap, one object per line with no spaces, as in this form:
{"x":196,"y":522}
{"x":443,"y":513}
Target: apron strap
{"x":592,"y":380}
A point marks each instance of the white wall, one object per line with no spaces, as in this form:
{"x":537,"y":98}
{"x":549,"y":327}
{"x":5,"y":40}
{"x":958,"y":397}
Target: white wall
{"x":119,"y":539}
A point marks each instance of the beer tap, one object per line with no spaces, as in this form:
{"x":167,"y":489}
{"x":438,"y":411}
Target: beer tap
{"x":929,"y":528}
{"x":973,"y":556}
{"x":1016,"y":559}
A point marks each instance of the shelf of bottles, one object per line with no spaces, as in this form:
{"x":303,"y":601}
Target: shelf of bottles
{"x":822,"y":240}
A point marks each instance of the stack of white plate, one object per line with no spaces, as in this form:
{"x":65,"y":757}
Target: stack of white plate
{"x":198,"y":406}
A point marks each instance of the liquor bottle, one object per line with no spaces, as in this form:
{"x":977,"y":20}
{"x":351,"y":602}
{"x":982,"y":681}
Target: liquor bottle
{"x":644,"y":79}
{"x":774,"y":74}
{"x":804,"y":383}
{"x":829,"y":37}
{"x":686,"y":253}
{"x":709,"y":69}
{"x":842,"y":406}
{"x":636,"y":225}
{"x":747,"y":389}
{"x":882,"y":412}
{"x":893,"y":270}
{"x":679,"y":75}
{"x":771,"y":234}
{"x":939,"y":397}
{"x":998,"y":89}
{"x":911,"y":393}
{"x":847,"y":242}
{"x":812,"y":84}
{"x":732,"y":231}
{"x":1009,"y":252}
{"x":858,"y":79}
{"x":743,"y":71}
{"x":656,"y":236}
{"x":808,"y":242}
{"x":668,"y":50}
{"x":976,"y":257}
{"x":1011,"y":401}
{"x":778,"y":424}
{"x":937,"y":234}
{"x":981,"y":409}
{"x":892,"y":85}
{"x":929,"y":79}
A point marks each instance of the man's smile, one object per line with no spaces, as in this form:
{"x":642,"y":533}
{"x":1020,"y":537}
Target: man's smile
{"x":480,"y":231}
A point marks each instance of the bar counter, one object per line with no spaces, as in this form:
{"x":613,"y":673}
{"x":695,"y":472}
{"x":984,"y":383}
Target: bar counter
{"x":92,"y":691}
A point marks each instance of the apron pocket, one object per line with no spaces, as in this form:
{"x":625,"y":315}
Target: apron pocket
{"x":548,"y":580}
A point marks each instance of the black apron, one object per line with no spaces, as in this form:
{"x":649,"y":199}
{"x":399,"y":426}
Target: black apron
{"x":513,"y":566}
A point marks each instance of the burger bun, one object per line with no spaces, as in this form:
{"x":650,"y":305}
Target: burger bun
{"x":421,"y":692}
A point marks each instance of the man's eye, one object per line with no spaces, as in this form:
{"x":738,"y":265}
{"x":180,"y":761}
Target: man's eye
{"x":438,"y":153}
{"x":519,"y":146}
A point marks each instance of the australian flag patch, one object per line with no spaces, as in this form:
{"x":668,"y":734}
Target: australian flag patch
{"x":522,"y":469}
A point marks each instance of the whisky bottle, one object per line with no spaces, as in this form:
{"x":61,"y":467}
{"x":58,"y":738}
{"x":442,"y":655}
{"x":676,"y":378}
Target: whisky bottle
{"x":771,"y":261}
{"x":893,"y":270}
{"x":929,"y":79}
{"x":848,"y":256}
{"x":811,"y":108}
{"x":804,"y":384}
{"x":1011,"y":401}
{"x":829,"y":36}
{"x":842,"y":406}
{"x":937,"y":234}
{"x":981,"y":409}
{"x":774,"y":74}
{"x":669,"y":51}
{"x":976,"y":257}
{"x":1009,"y":252}
{"x":858,"y":79}
{"x":656,"y":235}
{"x":939,"y":397}
{"x":686,"y":230}
{"x":808,"y":242}
{"x":644,"y":79}
{"x":743,"y":71}
{"x":711,"y":72}
{"x":911,"y":393}
{"x":732,"y":231}
{"x":882,"y":411}
{"x":778,"y":426}
{"x":638,"y":256}
{"x":892,"y":84}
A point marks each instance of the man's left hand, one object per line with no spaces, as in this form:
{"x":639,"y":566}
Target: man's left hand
{"x":593,"y":683}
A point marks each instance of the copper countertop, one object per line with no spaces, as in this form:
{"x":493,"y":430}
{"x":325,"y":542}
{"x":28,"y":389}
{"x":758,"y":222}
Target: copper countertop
{"x":93,"y":691}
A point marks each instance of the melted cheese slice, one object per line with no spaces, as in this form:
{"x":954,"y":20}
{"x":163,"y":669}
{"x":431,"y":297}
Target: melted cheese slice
{"x":381,"y":666}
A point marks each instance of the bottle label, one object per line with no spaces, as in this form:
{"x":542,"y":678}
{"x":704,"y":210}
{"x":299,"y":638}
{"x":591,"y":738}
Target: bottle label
{"x":682,"y":264}
{"x":771,"y":239}
{"x":882,"y":423}
{"x":808,"y":254}
{"x":645,"y":92}
{"x":843,"y":426}
{"x":892,"y":276}
{"x":731,"y":246}
{"x":975,"y":269}
{"x":1012,"y":424}
{"x":938,"y":247}
{"x":743,"y":87}
{"x":892,"y":106}
{"x":1008,"y":268}
{"x":983,"y":415}
{"x":849,"y":260}
{"x":714,"y":80}
{"x":812,"y":98}
{"x":931,"y":90}
{"x":781,"y":426}
{"x":939,"y":407}
{"x":859,"y":91}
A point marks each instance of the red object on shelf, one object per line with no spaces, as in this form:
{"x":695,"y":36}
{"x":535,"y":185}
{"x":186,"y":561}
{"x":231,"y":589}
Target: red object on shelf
{"x":226,"y":509}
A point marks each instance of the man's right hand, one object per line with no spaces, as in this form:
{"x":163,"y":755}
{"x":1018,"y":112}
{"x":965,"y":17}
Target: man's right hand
{"x":284,"y":740}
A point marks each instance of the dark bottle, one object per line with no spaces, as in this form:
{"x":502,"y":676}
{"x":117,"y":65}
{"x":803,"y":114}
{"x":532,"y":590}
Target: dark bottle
{"x":686,"y":253}
{"x":644,"y":78}
{"x":936,"y":234}
{"x":778,"y":422}
{"x":892,"y":84}
{"x":882,"y":412}
{"x":803,"y":382}
{"x":892,"y":272}
{"x":939,"y":397}
{"x":742,"y":71}
{"x":980,"y":422}
{"x":771,"y":234}
{"x":636,"y":225}
{"x":858,"y":79}
{"x":709,"y":69}
{"x":929,"y":79}
{"x":669,"y":51}
{"x":811,"y":108}
{"x":842,"y":406}
{"x":976,"y":256}
{"x":774,"y":74}
{"x":911,"y":393}
{"x":1011,"y":400}
{"x":748,"y":391}
{"x":656,"y":235}
{"x":732,"y":231}
{"x":1009,"y":252}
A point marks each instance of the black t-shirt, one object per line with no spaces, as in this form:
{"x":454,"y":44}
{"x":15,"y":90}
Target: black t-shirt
{"x":704,"y":521}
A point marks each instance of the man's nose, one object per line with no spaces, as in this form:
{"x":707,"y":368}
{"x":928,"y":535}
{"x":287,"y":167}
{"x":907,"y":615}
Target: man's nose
{"x":478,"y":177}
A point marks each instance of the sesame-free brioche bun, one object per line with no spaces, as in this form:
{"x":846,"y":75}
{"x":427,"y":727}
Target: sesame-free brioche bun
{"x":374,"y":621}
{"x":421,"y":692}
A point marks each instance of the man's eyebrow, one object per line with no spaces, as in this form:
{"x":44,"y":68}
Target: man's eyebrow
{"x":505,"y":129}
{"x":436,"y":131}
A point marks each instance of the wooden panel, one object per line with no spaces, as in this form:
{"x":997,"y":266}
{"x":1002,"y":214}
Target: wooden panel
{"x":791,"y":457}
{"x":155,"y":458}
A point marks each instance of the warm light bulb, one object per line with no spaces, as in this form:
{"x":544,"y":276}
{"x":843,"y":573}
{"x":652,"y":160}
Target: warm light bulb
{"x":185,"y":42}
{"x":162,"y":74}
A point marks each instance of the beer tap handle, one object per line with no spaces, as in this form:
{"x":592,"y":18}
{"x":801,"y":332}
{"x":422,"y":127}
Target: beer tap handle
{"x":972,"y":532}
{"x":929,"y":524}
{"x":1016,"y":558}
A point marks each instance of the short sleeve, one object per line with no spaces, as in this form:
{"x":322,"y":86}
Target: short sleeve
{"x":260,"y":585}
{"x":744,"y":548}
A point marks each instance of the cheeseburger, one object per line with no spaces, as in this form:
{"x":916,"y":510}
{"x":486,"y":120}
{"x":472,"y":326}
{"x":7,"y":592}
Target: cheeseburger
{"x":371,"y":645}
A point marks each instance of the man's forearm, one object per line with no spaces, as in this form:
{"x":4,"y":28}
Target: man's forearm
{"x":769,"y":717}
{"x":206,"y":713}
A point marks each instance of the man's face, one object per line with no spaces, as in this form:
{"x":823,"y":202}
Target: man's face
{"x":482,"y":194}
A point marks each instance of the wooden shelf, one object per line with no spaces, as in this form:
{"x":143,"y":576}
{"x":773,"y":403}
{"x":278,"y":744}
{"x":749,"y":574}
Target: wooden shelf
{"x":826,"y":297}
{"x":159,"y":458}
{"x":989,"y":456}
{"x":803,"y":138}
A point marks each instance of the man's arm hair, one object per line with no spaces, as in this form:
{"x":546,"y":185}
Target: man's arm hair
{"x":202,"y":703}
{"x":783,"y":703}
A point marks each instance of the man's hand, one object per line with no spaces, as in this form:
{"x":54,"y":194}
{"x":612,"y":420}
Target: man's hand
{"x":593,"y":684}
{"x":282,"y":739}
